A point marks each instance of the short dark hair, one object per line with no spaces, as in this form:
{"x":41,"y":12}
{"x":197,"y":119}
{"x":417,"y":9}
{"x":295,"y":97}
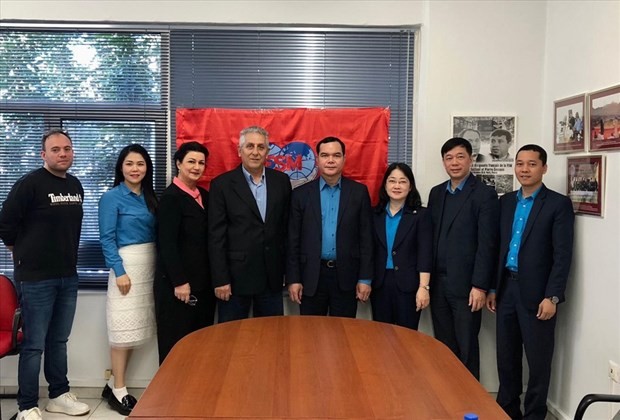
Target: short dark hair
{"x":192,"y":146}
{"x":330,"y":140}
{"x":51,"y":133}
{"x":413,"y":199}
{"x":456,"y":142}
{"x":147,"y":181}
{"x":500,"y":132}
{"x":542,"y":154}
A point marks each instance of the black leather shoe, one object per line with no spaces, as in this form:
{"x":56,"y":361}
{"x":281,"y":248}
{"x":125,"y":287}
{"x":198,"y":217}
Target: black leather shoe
{"x":123,"y":407}
{"x":107,"y":391}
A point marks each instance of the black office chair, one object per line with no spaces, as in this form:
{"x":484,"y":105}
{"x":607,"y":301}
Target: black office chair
{"x":592,"y":398}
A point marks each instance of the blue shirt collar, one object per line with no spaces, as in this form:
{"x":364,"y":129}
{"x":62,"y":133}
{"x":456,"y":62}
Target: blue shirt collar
{"x":389,"y":214}
{"x":125,"y":189}
{"x":458,"y":187}
{"x":248,"y":176}
{"x":533,"y":196}
{"x":323,"y":183}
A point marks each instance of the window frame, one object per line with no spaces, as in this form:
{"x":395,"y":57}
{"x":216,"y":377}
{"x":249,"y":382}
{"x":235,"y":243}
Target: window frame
{"x":55,"y":114}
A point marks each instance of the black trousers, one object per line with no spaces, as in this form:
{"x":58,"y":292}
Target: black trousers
{"x":329,"y":299}
{"x":392,"y":305}
{"x":267,"y":303}
{"x":456,"y":325}
{"x":176,"y":319}
{"x":519,"y":329}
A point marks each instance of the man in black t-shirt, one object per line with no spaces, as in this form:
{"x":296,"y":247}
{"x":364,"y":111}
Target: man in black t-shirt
{"x":40,"y":223}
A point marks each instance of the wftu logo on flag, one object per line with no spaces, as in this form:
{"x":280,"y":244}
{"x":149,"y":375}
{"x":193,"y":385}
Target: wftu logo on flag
{"x":293,"y":136}
{"x":296,"y":159}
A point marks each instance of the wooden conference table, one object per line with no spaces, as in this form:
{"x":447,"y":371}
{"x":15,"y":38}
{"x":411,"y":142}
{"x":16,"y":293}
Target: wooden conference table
{"x":296,"y":367}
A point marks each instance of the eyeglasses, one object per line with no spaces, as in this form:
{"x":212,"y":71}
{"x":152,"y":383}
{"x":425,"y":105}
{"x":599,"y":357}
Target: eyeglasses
{"x":192,"y":300}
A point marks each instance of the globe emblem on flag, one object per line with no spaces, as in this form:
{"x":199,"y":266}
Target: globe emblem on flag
{"x":296,"y":159}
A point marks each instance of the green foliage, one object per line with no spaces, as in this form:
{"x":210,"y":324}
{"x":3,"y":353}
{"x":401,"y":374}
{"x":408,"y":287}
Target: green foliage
{"x":103,"y":88}
{"x":79,"y":67}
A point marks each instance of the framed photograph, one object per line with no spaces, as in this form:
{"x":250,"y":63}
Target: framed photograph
{"x":586,"y":184}
{"x":604,"y":119}
{"x":493,"y":140}
{"x":569,"y":124}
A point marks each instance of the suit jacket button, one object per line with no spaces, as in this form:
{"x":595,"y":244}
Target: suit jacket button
{"x":393,"y":252}
{"x":395,"y":268}
{"x":266,"y":248}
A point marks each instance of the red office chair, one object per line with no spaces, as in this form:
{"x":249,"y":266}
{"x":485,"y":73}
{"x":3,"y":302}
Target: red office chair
{"x":10,"y":322}
{"x":10,"y":318}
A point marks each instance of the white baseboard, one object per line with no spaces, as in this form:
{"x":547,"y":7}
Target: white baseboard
{"x":559,"y":414}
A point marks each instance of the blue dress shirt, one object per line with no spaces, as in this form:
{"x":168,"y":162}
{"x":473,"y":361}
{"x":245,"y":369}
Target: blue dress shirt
{"x":330,"y":202}
{"x":391,"y":226}
{"x":124,"y":219}
{"x":458,"y":187}
{"x":259,"y":191}
{"x":522,"y":212}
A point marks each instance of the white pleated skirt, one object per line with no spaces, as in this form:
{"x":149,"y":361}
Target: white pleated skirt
{"x":131,"y":317}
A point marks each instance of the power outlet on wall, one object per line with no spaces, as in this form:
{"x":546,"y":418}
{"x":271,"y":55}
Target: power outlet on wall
{"x":614,"y":388}
{"x":614,"y":371}
{"x":107,"y":374}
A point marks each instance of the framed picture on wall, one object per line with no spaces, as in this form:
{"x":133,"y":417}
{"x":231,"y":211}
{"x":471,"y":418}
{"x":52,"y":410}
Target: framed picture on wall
{"x":569,"y":121}
{"x":493,"y":139}
{"x":604,"y":119}
{"x":586,"y":184}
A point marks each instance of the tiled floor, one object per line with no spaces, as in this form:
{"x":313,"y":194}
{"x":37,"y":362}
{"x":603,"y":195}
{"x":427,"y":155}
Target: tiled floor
{"x":99,"y":408}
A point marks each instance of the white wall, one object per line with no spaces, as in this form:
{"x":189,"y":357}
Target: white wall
{"x":511,"y":57}
{"x":588,"y":332}
{"x":473,"y":56}
{"x":388,"y":12}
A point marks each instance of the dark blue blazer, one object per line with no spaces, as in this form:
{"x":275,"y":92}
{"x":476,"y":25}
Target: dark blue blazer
{"x":243,"y":250}
{"x":353,"y":236}
{"x":412,"y":251}
{"x":546,"y":248}
{"x":472,"y":236}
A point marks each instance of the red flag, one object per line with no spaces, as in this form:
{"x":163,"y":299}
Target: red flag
{"x":293,"y":135}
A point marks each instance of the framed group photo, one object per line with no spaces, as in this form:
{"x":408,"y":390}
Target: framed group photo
{"x":586,"y":184}
{"x":569,"y":122}
{"x":604,"y":111}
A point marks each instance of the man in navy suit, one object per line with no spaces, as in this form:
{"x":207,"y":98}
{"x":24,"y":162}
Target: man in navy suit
{"x":465,"y":215}
{"x":536,"y":245}
{"x":329,"y":262}
{"x":248,"y":212}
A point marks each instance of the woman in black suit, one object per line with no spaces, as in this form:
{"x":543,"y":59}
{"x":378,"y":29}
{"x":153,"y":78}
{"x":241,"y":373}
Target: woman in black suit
{"x":184,"y":299}
{"x":403,"y":241}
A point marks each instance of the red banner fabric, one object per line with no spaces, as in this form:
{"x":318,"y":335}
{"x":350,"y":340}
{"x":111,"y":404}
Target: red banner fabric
{"x":293,"y":135}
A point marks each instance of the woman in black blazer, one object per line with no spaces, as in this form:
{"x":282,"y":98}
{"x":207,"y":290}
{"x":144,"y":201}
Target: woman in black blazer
{"x":184,"y":299}
{"x":403,"y":242}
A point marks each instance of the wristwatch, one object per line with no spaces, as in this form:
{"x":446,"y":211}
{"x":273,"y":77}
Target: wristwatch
{"x":427,"y":287}
{"x":554,"y":299}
